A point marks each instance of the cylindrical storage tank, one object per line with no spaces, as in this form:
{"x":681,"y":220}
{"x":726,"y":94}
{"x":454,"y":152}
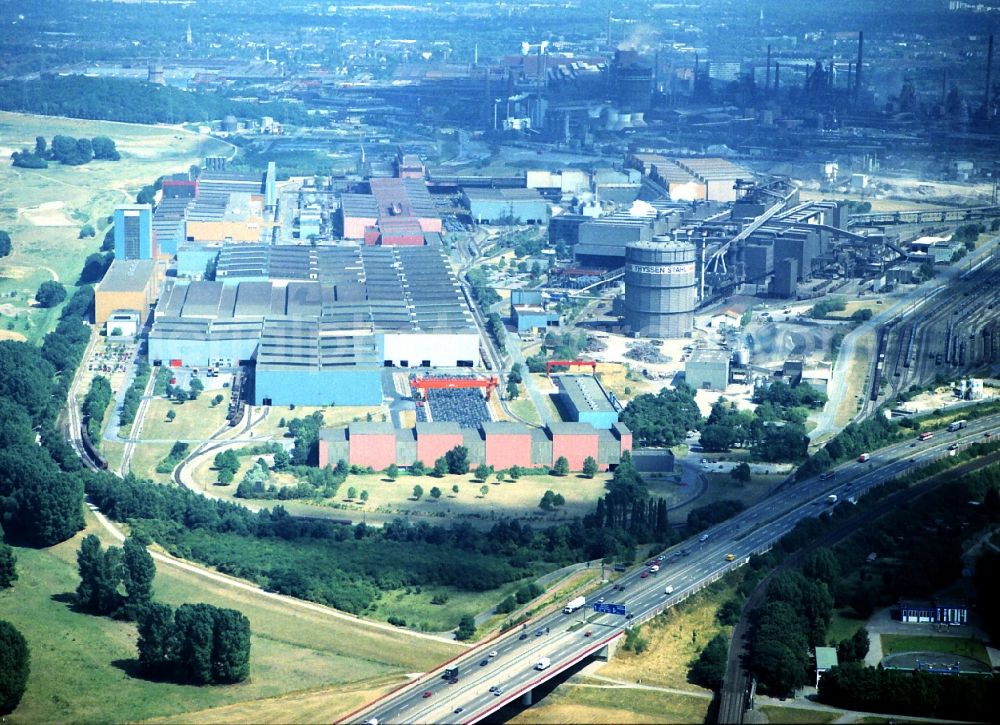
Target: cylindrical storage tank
{"x":660,"y":288}
{"x":742,"y":356}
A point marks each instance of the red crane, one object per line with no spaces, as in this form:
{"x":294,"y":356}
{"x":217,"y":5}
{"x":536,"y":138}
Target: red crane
{"x":569,"y":363}
{"x":425,"y":384}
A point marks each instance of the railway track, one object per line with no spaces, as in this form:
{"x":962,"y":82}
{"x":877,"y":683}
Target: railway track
{"x":957,"y":333}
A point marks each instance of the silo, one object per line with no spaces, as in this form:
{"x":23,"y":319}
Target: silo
{"x":660,"y":288}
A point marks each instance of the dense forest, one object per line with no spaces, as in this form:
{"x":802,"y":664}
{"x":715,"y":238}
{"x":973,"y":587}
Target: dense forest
{"x":133,"y":101}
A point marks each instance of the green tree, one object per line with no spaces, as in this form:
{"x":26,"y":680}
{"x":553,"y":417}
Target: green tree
{"x":483,"y":490}
{"x":196,"y":387}
{"x":512,"y":390}
{"x":741,"y":473}
{"x":50,"y":294}
{"x":138,"y":573}
{"x":104,"y":149}
{"x":418,"y":491}
{"x":589,"y":467}
{"x":195,"y":625}
{"x":435,"y":493}
{"x":282,"y":460}
{"x":440,"y":467}
{"x":351,"y":492}
{"x":171,"y":415}
{"x":392,"y":472}
{"x":507,"y":605}
{"x":230,"y":646}
{"x":100,"y":576}
{"x":216,"y":400}
{"x":546,"y":503}
{"x":561,"y":466}
{"x":458,"y":460}
{"x":15,"y":665}
{"x":482,"y":472}
{"x":710,"y":668}
{"x":40,"y":505}
{"x":854,"y":648}
{"x":466,"y":628}
{"x":8,"y":566}
{"x":5,"y":244}
{"x":455,"y":489}
{"x":823,"y":566}
{"x":364,"y":496}
{"x":418,"y":468}
{"x":515,"y":473}
{"x":157,"y":643}
{"x":87,"y":231}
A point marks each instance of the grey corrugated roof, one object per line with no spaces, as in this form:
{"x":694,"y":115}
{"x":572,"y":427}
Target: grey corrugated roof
{"x":128,"y":275}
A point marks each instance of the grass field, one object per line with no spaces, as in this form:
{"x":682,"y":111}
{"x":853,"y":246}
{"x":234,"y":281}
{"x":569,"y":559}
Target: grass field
{"x":791,"y":715}
{"x":144,"y":460}
{"x":414,"y":605}
{"x":83,"y":666}
{"x":896,"y":643}
{"x":518,"y":498}
{"x":195,"y":419}
{"x":675,"y":639}
{"x":524,"y":408}
{"x":605,"y":703}
{"x":841,"y":627}
{"x":44,"y":209}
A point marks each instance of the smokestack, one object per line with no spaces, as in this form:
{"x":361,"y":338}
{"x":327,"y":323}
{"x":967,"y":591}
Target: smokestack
{"x":857,"y":67}
{"x":944,"y":86}
{"x":475,"y":55}
{"x":777,"y":76}
{"x":850,"y":76}
{"x":767,"y":78}
{"x":609,"y":28}
{"x":989,"y":68}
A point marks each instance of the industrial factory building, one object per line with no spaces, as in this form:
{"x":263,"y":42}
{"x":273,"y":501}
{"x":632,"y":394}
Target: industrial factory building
{"x":392,"y":206}
{"x":127,"y":285}
{"x":498,"y":444}
{"x":318,"y":324}
{"x":586,"y":401}
{"x":707,"y":370}
{"x":660,"y":288}
{"x":506,"y":206}
{"x":528,"y":311}
{"x":692,"y":179}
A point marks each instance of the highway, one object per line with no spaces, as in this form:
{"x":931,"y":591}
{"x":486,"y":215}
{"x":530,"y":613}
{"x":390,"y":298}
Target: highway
{"x":687,"y":567}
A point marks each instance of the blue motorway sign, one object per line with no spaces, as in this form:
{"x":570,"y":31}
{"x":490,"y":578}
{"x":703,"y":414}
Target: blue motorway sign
{"x":608,"y":608}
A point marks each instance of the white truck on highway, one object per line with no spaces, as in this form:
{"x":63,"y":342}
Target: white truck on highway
{"x":668,"y":590}
{"x":543,"y":663}
{"x":573,"y":604}
{"x":956,"y":425}
{"x":831,"y":499}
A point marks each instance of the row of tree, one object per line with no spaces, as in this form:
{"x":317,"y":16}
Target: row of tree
{"x":663,"y":419}
{"x":66,"y":150}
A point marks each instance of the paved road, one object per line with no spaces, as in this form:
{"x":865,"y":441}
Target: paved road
{"x":687,"y":567}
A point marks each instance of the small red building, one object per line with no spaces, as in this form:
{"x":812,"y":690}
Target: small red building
{"x":575,"y":442}
{"x":372,"y":444}
{"x":436,"y":439}
{"x":507,"y":445}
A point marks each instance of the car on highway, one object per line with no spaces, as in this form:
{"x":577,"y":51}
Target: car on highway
{"x":703,"y":538}
{"x":644,"y":575}
{"x":427,"y":693}
{"x":458,"y":710}
{"x":453,"y":681}
{"x":988,"y":434}
{"x":494,"y":653}
{"x":730,"y":557}
{"x":587,"y":633}
{"x":539,"y":632}
{"x":483,"y":663}
{"x":600,"y":600}
{"x":498,"y":691}
{"x":650,"y":562}
{"x":524,"y":635}
{"x":493,"y":688}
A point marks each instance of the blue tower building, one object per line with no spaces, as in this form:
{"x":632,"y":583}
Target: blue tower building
{"x":134,"y":237}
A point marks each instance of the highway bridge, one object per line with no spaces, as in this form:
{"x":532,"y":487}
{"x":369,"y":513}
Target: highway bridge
{"x":568,"y":639}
